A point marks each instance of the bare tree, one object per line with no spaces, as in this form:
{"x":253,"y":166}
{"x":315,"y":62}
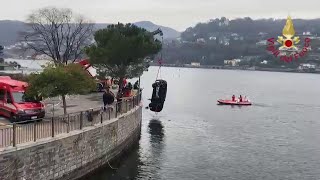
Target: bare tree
{"x":58,"y":33}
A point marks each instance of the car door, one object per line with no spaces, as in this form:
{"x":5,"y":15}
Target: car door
{"x":2,"y":99}
{"x":8,"y":104}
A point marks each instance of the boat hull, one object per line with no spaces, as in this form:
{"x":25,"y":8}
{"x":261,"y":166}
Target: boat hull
{"x":230,"y":102}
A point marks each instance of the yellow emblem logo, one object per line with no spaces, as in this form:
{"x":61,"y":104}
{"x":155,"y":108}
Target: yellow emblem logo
{"x":289,"y":49}
{"x":288,"y":40}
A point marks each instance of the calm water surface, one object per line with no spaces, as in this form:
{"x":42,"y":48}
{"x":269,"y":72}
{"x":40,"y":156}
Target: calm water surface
{"x":193,"y":138}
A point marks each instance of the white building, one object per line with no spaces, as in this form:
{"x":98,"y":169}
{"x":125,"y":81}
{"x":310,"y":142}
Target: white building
{"x":234,"y":34}
{"x":306,"y":33}
{"x":225,"y":41}
{"x":42,"y":57}
{"x":306,"y":66}
{"x":201,"y":40}
{"x":233,"y":62}
{"x":197,"y":64}
{"x":264,"y":62}
{"x":262,"y":33}
{"x":262,"y":43}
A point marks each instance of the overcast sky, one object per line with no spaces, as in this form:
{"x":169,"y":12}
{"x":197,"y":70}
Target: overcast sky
{"x":178,"y":14}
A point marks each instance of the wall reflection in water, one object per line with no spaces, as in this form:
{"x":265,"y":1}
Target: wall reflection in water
{"x":127,"y":167}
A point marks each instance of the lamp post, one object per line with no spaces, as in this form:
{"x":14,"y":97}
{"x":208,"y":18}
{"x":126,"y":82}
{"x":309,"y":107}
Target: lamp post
{"x":139,"y":84}
{"x":1,"y":53}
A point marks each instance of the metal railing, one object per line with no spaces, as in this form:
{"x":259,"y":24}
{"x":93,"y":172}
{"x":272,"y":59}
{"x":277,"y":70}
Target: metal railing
{"x":33,"y":130}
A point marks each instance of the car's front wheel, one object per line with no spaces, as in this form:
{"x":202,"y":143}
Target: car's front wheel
{"x":13,"y":118}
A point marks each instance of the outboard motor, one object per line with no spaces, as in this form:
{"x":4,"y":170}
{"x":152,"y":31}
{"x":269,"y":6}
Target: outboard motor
{"x":159,"y":94}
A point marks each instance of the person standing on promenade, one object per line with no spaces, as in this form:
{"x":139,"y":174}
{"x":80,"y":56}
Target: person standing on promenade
{"x":108,"y":99}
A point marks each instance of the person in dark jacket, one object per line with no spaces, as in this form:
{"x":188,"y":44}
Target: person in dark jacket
{"x":108,"y":98}
{"x":136,"y":85}
{"x":129,"y":86}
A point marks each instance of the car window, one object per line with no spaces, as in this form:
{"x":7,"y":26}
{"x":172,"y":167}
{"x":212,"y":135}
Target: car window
{"x":19,"y":97}
{"x":2,"y":92}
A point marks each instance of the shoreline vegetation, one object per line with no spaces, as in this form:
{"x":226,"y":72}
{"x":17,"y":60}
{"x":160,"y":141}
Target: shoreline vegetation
{"x":24,"y":77}
{"x":289,"y":70}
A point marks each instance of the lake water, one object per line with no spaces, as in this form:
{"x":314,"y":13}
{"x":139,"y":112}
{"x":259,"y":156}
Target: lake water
{"x":31,"y":64}
{"x":28,"y":66}
{"x":193,"y":138}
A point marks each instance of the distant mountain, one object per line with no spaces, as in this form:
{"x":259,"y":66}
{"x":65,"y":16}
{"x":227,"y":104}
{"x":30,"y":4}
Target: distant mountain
{"x":216,"y":40}
{"x":248,"y":28}
{"x":9,"y":30}
{"x":168,"y":33}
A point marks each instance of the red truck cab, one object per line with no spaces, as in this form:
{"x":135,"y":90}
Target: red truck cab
{"x":92,"y":72}
{"x":13,"y":103}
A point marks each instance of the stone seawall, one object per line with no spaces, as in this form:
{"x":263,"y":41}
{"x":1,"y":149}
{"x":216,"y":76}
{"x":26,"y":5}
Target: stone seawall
{"x":72,"y":155}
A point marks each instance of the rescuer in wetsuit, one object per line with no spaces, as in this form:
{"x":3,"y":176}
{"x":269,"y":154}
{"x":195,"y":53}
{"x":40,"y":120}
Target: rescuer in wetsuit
{"x":233,"y":98}
{"x":240,"y":98}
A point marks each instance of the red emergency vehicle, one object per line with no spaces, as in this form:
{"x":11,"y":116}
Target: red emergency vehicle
{"x":13,"y":103}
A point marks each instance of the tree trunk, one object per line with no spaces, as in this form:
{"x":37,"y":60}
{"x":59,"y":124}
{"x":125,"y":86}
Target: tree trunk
{"x":120,"y":87}
{"x":139,"y":84}
{"x":121,"y":83}
{"x":64,"y":104}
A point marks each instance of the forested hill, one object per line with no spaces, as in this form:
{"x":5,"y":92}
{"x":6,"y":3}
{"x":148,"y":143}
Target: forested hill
{"x":221,"y":39}
{"x":248,"y":28}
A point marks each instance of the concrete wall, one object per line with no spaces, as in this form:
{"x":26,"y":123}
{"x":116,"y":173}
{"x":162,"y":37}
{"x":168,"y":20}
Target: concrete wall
{"x":70,"y":156}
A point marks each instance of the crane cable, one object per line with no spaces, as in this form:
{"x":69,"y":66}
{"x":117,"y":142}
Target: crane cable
{"x":160,"y":61}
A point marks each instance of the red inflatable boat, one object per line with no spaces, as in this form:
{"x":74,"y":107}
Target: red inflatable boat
{"x":230,"y":102}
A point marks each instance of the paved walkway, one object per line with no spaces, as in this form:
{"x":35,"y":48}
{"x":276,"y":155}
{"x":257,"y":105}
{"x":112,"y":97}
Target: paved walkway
{"x":28,"y":132}
{"x":75,"y":104}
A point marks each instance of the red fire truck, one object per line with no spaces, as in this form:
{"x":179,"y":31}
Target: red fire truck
{"x":14,"y":104}
{"x":93,"y":73}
